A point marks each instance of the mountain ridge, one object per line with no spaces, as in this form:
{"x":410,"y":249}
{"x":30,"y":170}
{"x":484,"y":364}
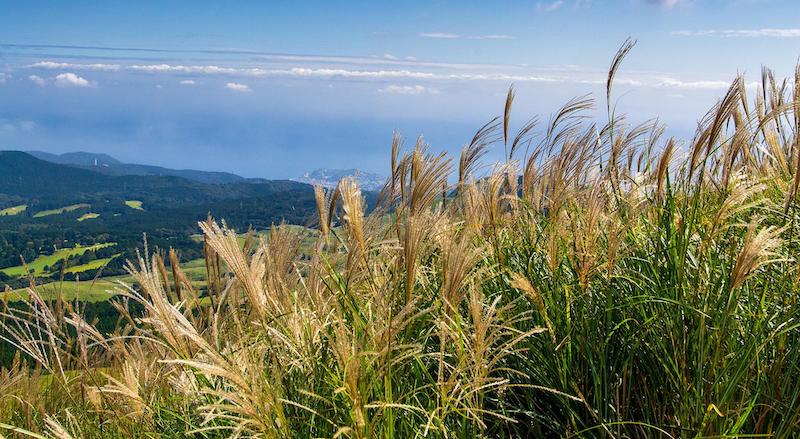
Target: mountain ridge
{"x":106,"y":164}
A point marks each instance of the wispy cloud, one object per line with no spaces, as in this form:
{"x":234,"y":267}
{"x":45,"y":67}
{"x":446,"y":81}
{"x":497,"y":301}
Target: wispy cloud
{"x":666,"y":4}
{"x":408,"y":89}
{"x":549,"y":6}
{"x":70,"y":79}
{"x":4,"y":77}
{"x":409,"y":74}
{"x":419,"y":73}
{"x":741,"y":33}
{"x":209,"y":69}
{"x":493,"y":37}
{"x":235,"y":86}
{"x":10,"y":126}
{"x":38,"y":80}
{"x":692,"y":85}
{"x":442,"y":35}
{"x":263,"y":56}
{"x":452,"y":36}
{"x":61,"y":65}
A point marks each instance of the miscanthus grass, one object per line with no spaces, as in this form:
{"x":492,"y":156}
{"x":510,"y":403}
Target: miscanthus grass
{"x":603,"y":281}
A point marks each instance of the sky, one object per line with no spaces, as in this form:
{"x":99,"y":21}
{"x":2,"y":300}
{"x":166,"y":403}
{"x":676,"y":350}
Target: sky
{"x":275,"y":89}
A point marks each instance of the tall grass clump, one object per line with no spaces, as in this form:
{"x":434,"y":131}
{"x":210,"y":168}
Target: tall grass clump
{"x":603,"y":281}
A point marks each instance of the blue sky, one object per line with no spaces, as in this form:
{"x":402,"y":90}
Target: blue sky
{"x":274,"y":89}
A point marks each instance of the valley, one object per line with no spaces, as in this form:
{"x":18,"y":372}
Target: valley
{"x":72,"y":223}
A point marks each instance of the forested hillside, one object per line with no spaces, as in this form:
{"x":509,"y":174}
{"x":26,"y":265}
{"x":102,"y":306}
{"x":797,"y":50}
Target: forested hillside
{"x":122,"y":209}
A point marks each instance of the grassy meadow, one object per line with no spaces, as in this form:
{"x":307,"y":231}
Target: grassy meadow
{"x":97,"y":289}
{"x":90,"y":290}
{"x":13,"y":210}
{"x":61,"y":210}
{"x":134,"y":204}
{"x":93,"y":265}
{"x":87,"y":216}
{"x":602,"y":281}
{"x":38,"y":265}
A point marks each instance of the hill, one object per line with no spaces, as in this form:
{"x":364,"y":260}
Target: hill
{"x":105,"y":164}
{"x":59,"y":196}
{"x":77,"y":158}
{"x":27,"y":177}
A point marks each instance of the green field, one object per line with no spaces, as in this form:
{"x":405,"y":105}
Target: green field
{"x":98,"y":290}
{"x":134,"y":204}
{"x":13,"y":210}
{"x":38,"y":264}
{"x":61,"y":210}
{"x":88,"y":291}
{"x":97,"y":263}
{"x":86,"y":216}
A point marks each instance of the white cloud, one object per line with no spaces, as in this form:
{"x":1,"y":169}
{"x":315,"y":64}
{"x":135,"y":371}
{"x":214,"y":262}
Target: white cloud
{"x":701,"y":85}
{"x":408,"y":90}
{"x":70,"y":79}
{"x":442,"y":35}
{"x":409,"y":74}
{"x":188,"y":82}
{"x":348,"y":73}
{"x":741,"y":33}
{"x":549,"y":6}
{"x":235,"y":86}
{"x":4,"y":77}
{"x":390,"y":57}
{"x":161,"y":68}
{"x":38,"y":80}
{"x":62,"y":65}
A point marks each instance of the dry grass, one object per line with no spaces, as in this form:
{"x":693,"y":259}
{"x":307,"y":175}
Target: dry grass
{"x":610,"y":290}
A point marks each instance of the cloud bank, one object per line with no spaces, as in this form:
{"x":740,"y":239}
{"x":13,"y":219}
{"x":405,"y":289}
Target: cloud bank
{"x":437,"y":73}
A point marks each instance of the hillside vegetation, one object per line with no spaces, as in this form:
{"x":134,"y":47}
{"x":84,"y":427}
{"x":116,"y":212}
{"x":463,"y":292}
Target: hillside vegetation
{"x":42,"y":264}
{"x":601,"y":282}
{"x":68,"y":206}
{"x":61,"y":210}
{"x":13,"y":210}
{"x":134,"y":204}
{"x":88,"y":216}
